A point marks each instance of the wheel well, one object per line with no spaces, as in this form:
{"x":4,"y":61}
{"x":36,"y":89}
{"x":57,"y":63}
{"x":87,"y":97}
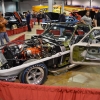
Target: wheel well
{"x":22,"y":74}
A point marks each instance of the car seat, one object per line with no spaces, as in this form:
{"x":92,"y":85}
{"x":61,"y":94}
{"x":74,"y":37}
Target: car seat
{"x":79,"y":37}
{"x":68,"y":34}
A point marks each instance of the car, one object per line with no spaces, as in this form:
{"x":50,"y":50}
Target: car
{"x":14,"y":18}
{"x":32,"y":59}
{"x":52,"y":17}
{"x":71,"y":20}
{"x":87,"y":50}
{"x":23,"y":18}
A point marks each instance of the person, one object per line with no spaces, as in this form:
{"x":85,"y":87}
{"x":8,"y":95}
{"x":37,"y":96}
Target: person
{"x":62,"y":19}
{"x":34,"y":16}
{"x":3,"y":33}
{"x":39,"y":17}
{"x":28,"y":18}
{"x":43,"y":17}
{"x":97,"y":19}
{"x":86,"y":19}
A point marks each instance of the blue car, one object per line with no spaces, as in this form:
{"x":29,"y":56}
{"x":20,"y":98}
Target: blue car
{"x":71,"y":20}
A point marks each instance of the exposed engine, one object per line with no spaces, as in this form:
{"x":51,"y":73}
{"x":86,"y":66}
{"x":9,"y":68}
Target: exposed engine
{"x":35,"y":48}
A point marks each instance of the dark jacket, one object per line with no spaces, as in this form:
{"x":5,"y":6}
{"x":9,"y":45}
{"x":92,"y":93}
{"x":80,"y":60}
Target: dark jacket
{"x":34,"y":16}
{"x":39,"y":16}
{"x":62,"y":18}
{"x":97,"y":17}
{"x":28,"y":17}
{"x":43,"y":15}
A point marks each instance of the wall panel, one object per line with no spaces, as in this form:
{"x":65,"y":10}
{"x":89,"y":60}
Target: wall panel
{"x":27,"y":5}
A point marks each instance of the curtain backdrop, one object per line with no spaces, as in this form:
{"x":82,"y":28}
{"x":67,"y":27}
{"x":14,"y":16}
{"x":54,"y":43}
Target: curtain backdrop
{"x":17,"y":91}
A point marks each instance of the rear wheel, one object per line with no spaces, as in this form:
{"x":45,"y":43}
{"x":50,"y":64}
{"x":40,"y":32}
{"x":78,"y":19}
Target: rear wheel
{"x":35,"y":74}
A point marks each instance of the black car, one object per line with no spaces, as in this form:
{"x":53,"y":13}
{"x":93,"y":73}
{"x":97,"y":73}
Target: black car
{"x":51,"y":17}
{"x":14,"y":19}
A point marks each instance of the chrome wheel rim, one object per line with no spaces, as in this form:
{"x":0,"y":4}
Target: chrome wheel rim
{"x":35,"y":75}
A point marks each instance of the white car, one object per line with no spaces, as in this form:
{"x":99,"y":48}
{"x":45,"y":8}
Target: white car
{"x":31,"y":60}
{"x":87,"y":50}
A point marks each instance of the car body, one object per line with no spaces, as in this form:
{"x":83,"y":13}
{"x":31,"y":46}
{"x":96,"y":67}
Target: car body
{"x":14,"y":18}
{"x":30,"y":60}
{"x":88,"y":49}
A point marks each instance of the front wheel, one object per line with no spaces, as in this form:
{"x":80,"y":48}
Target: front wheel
{"x":14,"y":26}
{"x":35,"y":74}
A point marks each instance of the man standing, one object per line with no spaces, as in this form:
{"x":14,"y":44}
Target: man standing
{"x":39,"y":17}
{"x":43,"y":17}
{"x":34,"y":16}
{"x":86,"y":19}
{"x":62,"y":19}
{"x":97,"y":19}
{"x":3,"y":33}
{"x":28,"y":18}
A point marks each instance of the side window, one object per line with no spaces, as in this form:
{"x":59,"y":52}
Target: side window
{"x":93,"y":37}
{"x":96,"y":36}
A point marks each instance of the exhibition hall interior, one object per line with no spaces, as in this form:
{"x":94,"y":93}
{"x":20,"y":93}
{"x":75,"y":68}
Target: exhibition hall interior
{"x":49,"y":49}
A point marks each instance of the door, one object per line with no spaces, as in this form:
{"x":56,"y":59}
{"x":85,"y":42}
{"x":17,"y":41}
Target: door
{"x":87,"y":51}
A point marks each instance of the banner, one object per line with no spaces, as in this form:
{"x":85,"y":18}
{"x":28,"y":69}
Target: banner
{"x":16,"y":91}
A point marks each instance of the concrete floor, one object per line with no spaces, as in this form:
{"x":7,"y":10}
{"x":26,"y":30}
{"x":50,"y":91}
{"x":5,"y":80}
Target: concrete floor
{"x":81,"y":76}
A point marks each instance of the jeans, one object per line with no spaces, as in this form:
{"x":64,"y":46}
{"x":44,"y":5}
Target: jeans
{"x":43,"y":20}
{"x":34,"y":19}
{"x":28,"y":26}
{"x":61,"y":31}
{"x":38,"y":20}
{"x":4,"y":35}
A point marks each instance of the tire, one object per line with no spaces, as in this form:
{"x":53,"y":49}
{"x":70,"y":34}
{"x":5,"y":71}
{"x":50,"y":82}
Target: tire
{"x":20,"y":77}
{"x":14,"y":26}
{"x":35,"y":74}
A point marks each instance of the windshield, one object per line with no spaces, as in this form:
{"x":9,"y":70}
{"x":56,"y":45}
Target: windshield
{"x":94,"y":36}
{"x":56,"y":29}
{"x":9,"y":14}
